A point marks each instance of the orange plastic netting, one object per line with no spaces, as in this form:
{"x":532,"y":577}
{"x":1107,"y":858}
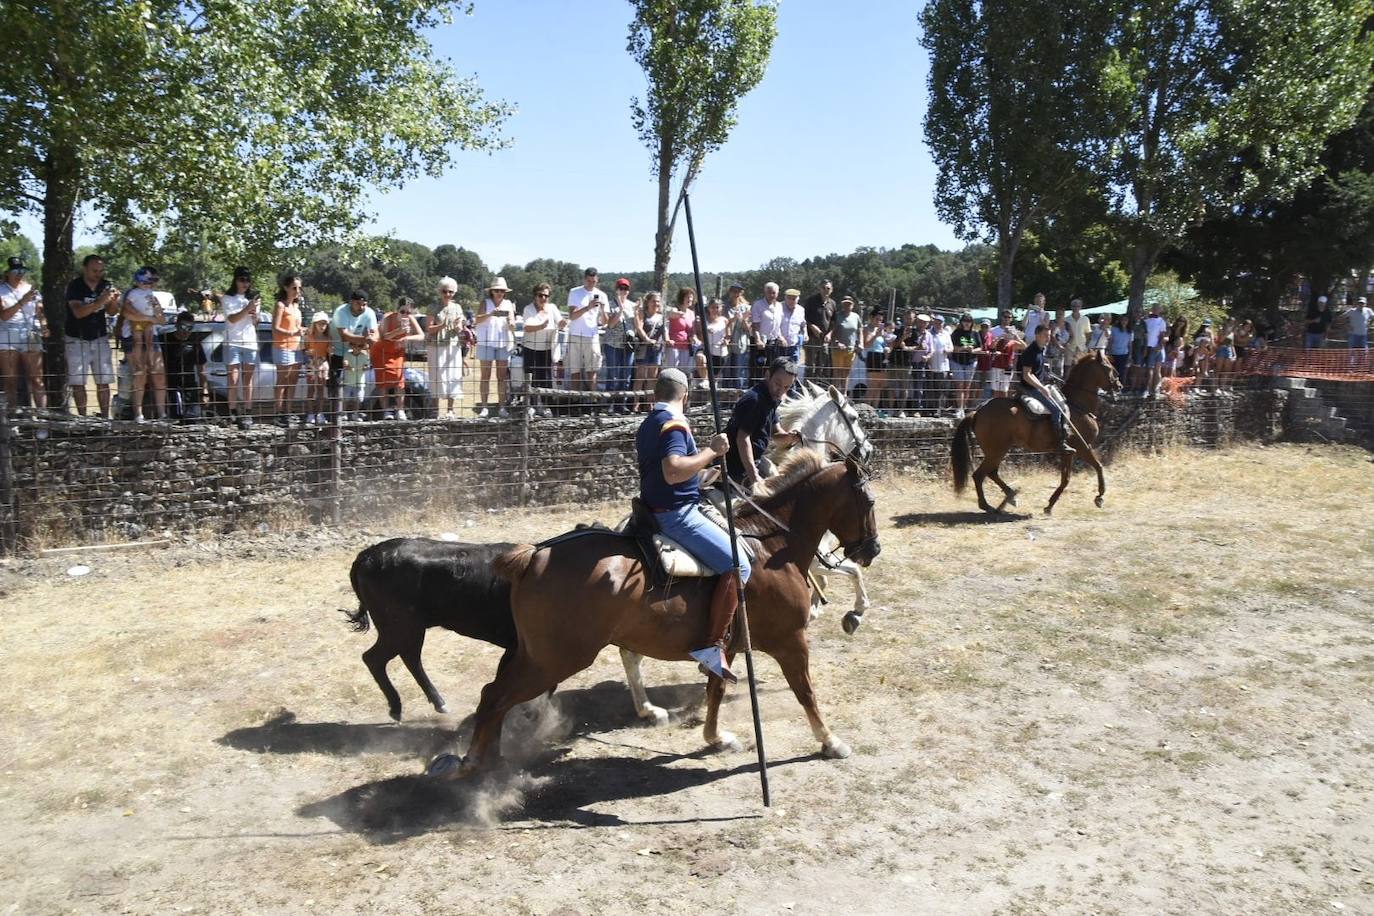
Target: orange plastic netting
{"x":1330,"y":364}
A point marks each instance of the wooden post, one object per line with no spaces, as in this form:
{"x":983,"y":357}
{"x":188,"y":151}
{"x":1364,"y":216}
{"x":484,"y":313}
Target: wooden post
{"x":8,"y":536}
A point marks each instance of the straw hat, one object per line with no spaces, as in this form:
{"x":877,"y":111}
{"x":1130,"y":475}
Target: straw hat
{"x":499,"y":284}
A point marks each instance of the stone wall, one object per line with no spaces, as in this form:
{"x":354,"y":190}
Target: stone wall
{"x":87,"y":482}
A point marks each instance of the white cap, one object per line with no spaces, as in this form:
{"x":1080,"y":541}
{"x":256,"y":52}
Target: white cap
{"x":1321,"y":298}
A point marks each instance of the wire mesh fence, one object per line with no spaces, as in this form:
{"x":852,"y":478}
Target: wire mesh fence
{"x":371,"y":452}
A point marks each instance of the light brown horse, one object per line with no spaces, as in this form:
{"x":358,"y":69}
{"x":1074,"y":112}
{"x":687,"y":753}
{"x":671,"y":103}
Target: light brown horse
{"x":575,"y":596}
{"x":1004,"y":423}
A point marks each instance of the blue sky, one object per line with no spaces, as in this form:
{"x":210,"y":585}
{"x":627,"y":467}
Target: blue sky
{"x":828,"y":155}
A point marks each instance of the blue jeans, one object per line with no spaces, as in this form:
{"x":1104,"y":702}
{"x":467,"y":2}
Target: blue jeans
{"x":1359,"y":341}
{"x":737,"y":370}
{"x":702,"y":538}
{"x":1314,"y":341}
{"x":617,"y":367}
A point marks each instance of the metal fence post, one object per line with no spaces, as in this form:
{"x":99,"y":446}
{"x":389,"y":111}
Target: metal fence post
{"x":336,"y":468}
{"x":8,"y":508}
{"x":524,"y":476}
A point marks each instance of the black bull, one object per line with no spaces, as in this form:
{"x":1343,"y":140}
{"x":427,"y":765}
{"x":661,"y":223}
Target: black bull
{"x":407,"y":585}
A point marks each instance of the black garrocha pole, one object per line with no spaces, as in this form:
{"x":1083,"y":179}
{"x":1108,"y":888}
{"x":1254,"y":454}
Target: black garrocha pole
{"x":741,"y":612}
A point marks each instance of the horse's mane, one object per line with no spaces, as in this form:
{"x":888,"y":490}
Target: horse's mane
{"x":797,"y":407}
{"x":1090,"y":356}
{"x":799,"y":465}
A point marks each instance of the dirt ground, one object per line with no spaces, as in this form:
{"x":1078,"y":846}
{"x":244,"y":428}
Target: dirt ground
{"x":1163,"y":706}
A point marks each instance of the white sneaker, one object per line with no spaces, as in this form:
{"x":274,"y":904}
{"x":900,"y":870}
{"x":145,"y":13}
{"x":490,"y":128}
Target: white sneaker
{"x":450,"y":415}
{"x":388,"y":415}
{"x":503,"y":413}
{"x":959,"y":414}
{"x":138,"y":418}
{"x":545,"y":412}
{"x":482,"y":414}
{"x":529,"y":412}
{"x":401,"y":414}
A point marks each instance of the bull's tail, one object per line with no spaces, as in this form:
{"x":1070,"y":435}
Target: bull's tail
{"x":961,"y":452}
{"x":512,"y":564}
{"x":358,"y":619}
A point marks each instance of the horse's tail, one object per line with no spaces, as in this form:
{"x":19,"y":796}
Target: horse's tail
{"x":961,"y":452}
{"x":512,"y":564}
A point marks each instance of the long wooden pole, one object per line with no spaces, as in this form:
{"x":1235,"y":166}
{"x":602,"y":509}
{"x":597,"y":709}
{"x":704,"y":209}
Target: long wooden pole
{"x":741,"y":612}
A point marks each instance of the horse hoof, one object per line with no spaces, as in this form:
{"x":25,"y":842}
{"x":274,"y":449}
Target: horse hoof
{"x":1098,"y":502}
{"x":835,"y":749}
{"x":655,"y":715}
{"x":1049,"y":509}
{"x":850,"y":622}
{"x":1011,"y":500}
{"x":446,"y":766}
{"x":395,"y":714}
{"x":726,"y":742}
{"x":815,"y":613}
{"x":441,"y":707}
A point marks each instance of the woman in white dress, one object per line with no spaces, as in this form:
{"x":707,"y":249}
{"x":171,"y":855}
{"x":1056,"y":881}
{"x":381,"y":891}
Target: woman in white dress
{"x":22,"y":330}
{"x":444,"y":347}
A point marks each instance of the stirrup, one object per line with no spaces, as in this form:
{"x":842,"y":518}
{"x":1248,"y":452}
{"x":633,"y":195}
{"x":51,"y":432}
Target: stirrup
{"x":712,"y":661}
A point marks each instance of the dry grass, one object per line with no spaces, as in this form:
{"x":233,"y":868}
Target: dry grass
{"x":1163,"y":706}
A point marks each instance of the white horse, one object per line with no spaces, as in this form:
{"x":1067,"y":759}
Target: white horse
{"x":828,"y":424}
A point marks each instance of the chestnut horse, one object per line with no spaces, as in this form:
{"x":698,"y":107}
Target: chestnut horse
{"x":1004,"y":423}
{"x":574,"y":596}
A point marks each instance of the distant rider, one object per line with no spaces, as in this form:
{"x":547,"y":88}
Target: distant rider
{"x":669,"y":484}
{"x":1033,"y":373}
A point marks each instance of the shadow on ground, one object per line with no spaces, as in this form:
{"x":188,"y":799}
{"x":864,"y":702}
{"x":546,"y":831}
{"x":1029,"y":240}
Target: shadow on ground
{"x":958,"y":518}
{"x":556,"y":790}
{"x":603,"y":707}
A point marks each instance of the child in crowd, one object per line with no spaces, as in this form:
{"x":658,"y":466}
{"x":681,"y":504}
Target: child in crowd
{"x":355,"y":368}
{"x":317,"y":368}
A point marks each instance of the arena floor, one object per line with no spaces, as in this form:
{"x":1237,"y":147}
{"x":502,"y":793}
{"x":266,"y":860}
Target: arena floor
{"x":1163,"y":706}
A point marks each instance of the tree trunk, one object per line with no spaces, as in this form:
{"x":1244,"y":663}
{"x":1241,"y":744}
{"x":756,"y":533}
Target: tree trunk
{"x":62,"y":178}
{"x":1008,"y":244}
{"x":663,"y":238}
{"x":1142,"y":265}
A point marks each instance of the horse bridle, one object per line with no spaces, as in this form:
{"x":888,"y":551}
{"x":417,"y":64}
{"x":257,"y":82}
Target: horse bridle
{"x":856,"y":451}
{"x":850,"y":550}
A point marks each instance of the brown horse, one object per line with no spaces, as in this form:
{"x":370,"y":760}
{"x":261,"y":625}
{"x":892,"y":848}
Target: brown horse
{"x":575,"y":596}
{"x":1004,"y":423}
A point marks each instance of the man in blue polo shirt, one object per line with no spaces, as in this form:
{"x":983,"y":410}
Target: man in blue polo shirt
{"x":670,"y":466}
{"x":754,"y":422}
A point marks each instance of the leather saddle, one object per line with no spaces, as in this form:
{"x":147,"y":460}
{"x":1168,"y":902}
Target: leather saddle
{"x":664,"y":558}
{"x":1034,"y":405}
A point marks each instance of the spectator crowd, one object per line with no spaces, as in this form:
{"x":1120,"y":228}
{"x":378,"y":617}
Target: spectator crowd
{"x":352,"y":358}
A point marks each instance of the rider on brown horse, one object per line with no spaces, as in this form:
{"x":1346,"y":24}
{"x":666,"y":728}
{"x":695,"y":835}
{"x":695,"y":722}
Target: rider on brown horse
{"x":1033,"y":373}
{"x":670,"y":484}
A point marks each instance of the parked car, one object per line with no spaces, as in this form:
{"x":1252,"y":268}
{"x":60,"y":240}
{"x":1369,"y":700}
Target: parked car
{"x":211,"y":336}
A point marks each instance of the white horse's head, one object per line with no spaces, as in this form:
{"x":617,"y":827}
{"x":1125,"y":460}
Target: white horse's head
{"x":827,"y":422}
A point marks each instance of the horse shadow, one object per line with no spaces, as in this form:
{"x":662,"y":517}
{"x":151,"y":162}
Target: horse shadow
{"x":555,"y":789}
{"x":966,"y":517}
{"x":603,"y":707}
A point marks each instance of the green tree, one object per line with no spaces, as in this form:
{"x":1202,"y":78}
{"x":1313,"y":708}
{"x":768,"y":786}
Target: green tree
{"x":699,"y":58}
{"x":1252,"y":252}
{"x":1006,"y":123}
{"x":1214,"y":103}
{"x":262,"y":123}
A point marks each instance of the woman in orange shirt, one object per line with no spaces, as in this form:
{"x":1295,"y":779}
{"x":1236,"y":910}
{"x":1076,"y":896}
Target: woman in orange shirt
{"x":389,"y":356}
{"x":286,"y":345}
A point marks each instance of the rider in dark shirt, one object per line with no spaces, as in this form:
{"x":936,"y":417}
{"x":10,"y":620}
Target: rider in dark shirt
{"x":755,"y":421}
{"x":1031,"y":370}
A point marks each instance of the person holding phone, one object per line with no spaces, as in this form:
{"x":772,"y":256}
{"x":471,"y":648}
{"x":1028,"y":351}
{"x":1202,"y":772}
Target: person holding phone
{"x":240,"y":306}
{"x":144,"y":309}
{"x":22,"y":331}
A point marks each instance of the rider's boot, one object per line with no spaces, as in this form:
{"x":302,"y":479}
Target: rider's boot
{"x":1064,"y":447}
{"x":724,"y":600}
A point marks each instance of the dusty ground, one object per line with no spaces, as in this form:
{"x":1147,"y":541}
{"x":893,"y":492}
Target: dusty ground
{"x":1163,"y":707}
